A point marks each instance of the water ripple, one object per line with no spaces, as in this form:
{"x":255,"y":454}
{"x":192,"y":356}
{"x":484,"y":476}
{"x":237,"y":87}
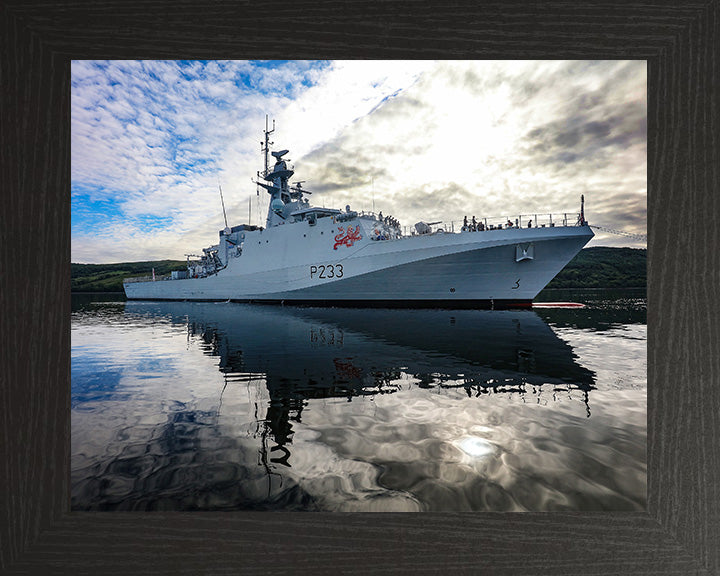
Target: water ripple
{"x":190,"y":406}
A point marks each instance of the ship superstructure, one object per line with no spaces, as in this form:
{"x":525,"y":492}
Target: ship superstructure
{"x":311,"y":255}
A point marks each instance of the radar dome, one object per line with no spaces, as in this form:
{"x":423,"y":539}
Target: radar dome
{"x":277,"y":205}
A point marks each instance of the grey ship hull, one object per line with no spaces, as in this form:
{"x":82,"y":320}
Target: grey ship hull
{"x":475,"y":269}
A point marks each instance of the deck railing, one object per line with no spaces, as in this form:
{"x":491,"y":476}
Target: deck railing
{"x":503,"y":222}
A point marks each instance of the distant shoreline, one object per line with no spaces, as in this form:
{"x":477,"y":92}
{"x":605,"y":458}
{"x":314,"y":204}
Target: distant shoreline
{"x":97,"y":292}
{"x":588,"y":288}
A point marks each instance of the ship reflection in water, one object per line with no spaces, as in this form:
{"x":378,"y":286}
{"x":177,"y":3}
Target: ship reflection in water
{"x":222,"y":406}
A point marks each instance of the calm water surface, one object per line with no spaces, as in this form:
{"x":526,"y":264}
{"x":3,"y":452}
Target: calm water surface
{"x":224,"y":406}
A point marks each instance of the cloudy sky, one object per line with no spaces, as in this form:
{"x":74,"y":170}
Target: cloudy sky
{"x":421,"y":140}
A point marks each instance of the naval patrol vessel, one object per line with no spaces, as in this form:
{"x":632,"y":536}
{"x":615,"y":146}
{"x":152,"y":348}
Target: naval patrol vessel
{"x":323,"y":256}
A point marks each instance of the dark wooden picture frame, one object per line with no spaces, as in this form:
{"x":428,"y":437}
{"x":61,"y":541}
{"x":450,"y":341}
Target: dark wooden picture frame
{"x":679,"y":533}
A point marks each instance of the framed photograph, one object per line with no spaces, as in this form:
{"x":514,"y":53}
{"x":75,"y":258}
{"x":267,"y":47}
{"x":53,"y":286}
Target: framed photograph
{"x":350,"y":342}
{"x":55,"y":523}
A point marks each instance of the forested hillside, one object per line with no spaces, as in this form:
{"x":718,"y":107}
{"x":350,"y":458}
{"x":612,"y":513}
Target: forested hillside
{"x":109,"y":277}
{"x":604,"y":267}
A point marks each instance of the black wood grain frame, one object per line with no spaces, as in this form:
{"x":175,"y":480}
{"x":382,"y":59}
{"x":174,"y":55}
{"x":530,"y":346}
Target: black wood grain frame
{"x":679,"y":533}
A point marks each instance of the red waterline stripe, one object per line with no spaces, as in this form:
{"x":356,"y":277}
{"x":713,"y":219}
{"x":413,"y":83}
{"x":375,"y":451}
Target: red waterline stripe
{"x":558,"y":305}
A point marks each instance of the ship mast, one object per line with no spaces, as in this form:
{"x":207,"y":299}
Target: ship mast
{"x":280,"y":194}
{"x":222,"y":201}
{"x":265,"y":147}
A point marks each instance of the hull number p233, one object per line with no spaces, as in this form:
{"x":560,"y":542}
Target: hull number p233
{"x":326,"y":272}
